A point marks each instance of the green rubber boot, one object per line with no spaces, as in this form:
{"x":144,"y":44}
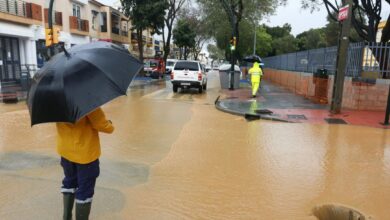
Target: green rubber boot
{"x":83,"y":210}
{"x":68,"y":206}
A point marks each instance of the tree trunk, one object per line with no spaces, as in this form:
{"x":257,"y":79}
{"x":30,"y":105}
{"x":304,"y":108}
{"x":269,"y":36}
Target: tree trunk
{"x":185,"y":53}
{"x":167,"y":47}
{"x":140,"y":45}
{"x":180,"y":52}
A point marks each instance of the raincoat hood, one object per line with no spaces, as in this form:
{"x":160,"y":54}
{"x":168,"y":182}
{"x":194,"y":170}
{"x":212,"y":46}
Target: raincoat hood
{"x":256,"y":65}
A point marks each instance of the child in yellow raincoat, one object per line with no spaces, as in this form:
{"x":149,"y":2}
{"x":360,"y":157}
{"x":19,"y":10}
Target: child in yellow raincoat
{"x":79,"y":147}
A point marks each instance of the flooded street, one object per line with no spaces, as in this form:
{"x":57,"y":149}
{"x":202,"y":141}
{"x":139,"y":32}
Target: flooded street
{"x":175,"y":156}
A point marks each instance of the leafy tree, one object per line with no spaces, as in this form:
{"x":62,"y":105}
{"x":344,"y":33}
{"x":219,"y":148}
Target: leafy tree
{"x":282,"y":39}
{"x":215,"y":53}
{"x":263,"y":42}
{"x":311,"y":39}
{"x":174,"y":6}
{"x":193,"y":16}
{"x":226,"y":16}
{"x":278,"y":31}
{"x":332,"y":32}
{"x":365,"y":19}
{"x":286,"y":44}
{"x":184,"y":37}
{"x":145,"y":15}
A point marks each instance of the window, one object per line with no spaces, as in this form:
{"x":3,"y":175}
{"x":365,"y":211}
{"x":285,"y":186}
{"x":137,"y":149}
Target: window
{"x":192,"y":66}
{"x":103,"y":22}
{"x":94,"y":18}
{"x":76,"y":10}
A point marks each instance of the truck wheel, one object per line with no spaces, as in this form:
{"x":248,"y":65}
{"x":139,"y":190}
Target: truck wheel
{"x":174,"y":88}
{"x":200,"y":89}
{"x":205,"y":87}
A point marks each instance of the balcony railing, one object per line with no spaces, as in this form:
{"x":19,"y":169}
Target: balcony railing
{"x":124,"y":33}
{"x":21,"y":9}
{"x":57,"y":17}
{"x":78,"y":24}
{"x":115,"y":30}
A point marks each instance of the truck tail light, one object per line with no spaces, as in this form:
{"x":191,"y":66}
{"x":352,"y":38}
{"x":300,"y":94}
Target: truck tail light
{"x":199,"y":76}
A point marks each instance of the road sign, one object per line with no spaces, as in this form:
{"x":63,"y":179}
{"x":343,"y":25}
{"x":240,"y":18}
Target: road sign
{"x":343,"y":13}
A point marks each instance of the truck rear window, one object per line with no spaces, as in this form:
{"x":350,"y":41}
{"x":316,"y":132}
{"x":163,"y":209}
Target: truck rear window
{"x":192,"y":66}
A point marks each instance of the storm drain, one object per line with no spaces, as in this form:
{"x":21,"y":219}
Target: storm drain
{"x":335,"y":121}
{"x":337,"y":212}
{"x":263,"y":111}
{"x":299,"y":117}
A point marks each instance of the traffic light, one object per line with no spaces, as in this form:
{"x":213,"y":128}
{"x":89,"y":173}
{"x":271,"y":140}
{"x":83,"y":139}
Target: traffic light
{"x":56,"y":35}
{"x":49,"y":37}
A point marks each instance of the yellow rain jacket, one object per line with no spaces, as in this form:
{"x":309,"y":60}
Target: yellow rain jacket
{"x":255,"y":72}
{"x":80,"y":142}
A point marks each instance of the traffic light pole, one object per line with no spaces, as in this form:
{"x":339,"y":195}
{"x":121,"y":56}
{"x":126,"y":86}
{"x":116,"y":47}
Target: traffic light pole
{"x":233,"y":53}
{"x":50,"y":22}
{"x":341,"y":63}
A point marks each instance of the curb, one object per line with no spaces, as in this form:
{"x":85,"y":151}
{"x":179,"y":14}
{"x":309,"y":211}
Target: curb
{"x":248,"y":115}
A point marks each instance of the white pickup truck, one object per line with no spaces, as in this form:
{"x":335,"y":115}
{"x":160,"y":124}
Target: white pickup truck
{"x":188,"y":74}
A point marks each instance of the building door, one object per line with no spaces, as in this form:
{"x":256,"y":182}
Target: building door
{"x":10,"y":69}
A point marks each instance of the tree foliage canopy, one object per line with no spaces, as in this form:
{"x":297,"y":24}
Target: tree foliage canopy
{"x":184,"y":36}
{"x":145,"y":14}
{"x":366,"y":15}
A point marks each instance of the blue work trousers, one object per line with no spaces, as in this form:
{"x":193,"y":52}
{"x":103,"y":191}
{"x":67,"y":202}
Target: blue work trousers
{"x":80,"y":179}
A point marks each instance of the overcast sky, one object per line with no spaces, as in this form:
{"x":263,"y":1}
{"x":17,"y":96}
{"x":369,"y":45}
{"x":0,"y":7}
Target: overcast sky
{"x":302,"y":20}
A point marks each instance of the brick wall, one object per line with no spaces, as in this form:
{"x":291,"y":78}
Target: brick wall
{"x":357,"y":95}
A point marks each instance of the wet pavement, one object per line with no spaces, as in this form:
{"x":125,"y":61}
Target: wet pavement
{"x":175,"y":156}
{"x":279,"y":104}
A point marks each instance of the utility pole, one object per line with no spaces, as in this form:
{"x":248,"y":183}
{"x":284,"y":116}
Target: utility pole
{"x":254,"y":41}
{"x":344,"y":17}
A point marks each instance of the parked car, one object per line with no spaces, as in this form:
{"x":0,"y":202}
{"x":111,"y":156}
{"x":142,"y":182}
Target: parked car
{"x":169,"y":66}
{"x":154,"y":67}
{"x":188,"y":74}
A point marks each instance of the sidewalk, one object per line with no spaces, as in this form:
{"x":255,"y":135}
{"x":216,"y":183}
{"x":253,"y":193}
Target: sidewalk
{"x":277,"y":103}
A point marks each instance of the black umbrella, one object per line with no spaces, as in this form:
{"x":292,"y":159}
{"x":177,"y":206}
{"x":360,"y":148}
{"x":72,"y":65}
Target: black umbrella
{"x":76,"y":82}
{"x":253,"y":58}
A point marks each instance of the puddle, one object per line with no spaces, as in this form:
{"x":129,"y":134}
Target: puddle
{"x":22,"y":160}
{"x":337,"y":212}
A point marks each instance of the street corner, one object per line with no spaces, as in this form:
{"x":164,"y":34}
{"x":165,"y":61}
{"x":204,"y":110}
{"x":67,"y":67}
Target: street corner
{"x":246,"y":106}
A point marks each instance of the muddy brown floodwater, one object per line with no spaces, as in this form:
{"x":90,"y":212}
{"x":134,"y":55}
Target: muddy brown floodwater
{"x":174,"y":156}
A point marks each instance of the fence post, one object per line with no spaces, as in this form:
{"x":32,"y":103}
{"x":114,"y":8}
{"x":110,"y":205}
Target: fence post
{"x":307,"y":59}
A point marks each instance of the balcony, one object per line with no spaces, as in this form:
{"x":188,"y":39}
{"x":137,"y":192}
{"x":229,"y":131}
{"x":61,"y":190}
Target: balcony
{"x":121,"y":36}
{"x":134,"y":38}
{"x":20,"y":12}
{"x":57,"y":17}
{"x":78,"y":26}
{"x":149,"y":42}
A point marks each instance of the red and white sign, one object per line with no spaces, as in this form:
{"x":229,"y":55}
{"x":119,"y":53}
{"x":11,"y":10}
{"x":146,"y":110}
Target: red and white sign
{"x":343,"y":13}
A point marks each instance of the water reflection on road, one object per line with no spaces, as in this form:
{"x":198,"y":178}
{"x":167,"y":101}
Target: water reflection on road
{"x":174,"y":156}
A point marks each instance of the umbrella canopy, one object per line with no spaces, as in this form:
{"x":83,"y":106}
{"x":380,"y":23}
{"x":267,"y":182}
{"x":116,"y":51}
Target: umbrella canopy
{"x":74,"y":83}
{"x":253,"y":58}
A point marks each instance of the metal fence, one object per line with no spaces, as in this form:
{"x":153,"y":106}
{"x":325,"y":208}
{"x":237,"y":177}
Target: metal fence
{"x":363,"y":59}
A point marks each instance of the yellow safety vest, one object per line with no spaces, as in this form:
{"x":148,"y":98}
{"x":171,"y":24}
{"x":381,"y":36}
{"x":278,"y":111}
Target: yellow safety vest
{"x":255,"y":72}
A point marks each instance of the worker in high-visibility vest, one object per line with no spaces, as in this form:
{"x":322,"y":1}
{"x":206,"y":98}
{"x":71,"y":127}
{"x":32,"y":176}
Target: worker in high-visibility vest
{"x":256,"y":74}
